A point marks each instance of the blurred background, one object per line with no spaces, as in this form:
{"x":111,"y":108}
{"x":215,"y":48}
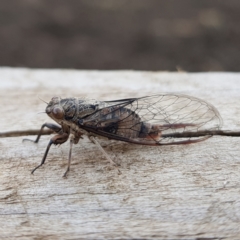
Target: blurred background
{"x":172,"y":35}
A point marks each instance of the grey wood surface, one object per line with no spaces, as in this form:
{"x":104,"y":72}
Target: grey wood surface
{"x":172,"y":192}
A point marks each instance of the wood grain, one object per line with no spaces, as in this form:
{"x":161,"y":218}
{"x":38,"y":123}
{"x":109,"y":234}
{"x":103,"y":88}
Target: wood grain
{"x":172,"y":192}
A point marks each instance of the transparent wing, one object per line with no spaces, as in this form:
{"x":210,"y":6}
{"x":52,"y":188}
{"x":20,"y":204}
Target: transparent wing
{"x":154,"y":120}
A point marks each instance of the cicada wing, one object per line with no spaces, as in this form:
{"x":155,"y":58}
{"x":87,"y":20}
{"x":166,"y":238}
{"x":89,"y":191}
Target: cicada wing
{"x":154,"y":120}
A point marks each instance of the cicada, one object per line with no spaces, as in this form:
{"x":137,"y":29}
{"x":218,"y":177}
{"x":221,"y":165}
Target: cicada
{"x":163,"y":119}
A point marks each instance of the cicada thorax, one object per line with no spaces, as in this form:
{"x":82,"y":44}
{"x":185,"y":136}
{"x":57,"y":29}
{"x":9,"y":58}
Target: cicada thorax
{"x":70,"y":107}
{"x":75,"y":108}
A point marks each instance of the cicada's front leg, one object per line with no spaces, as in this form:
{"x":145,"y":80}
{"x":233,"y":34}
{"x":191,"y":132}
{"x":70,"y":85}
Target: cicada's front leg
{"x":57,"y":139}
{"x":54,"y":127}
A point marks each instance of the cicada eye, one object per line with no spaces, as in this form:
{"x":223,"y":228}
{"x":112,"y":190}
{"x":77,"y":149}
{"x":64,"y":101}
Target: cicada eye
{"x":57,"y":113}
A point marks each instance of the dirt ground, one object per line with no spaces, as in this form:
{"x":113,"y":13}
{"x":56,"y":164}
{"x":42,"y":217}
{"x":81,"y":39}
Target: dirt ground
{"x":189,"y":35}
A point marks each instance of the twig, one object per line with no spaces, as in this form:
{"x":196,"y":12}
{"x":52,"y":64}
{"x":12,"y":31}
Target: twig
{"x":24,"y":133}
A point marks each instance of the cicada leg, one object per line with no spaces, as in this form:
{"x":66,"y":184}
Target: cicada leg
{"x":69,"y":157}
{"x":57,"y":139}
{"x":51,"y":126}
{"x":94,"y":140}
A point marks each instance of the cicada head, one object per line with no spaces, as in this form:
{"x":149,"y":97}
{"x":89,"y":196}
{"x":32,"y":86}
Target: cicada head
{"x":61,"y":109}
{"x":55,"y":110}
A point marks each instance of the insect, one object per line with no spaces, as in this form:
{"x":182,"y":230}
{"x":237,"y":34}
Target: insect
{"x":163,"y":119}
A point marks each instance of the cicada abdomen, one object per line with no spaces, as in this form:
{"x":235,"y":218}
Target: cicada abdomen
{"x":153,"y":120}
